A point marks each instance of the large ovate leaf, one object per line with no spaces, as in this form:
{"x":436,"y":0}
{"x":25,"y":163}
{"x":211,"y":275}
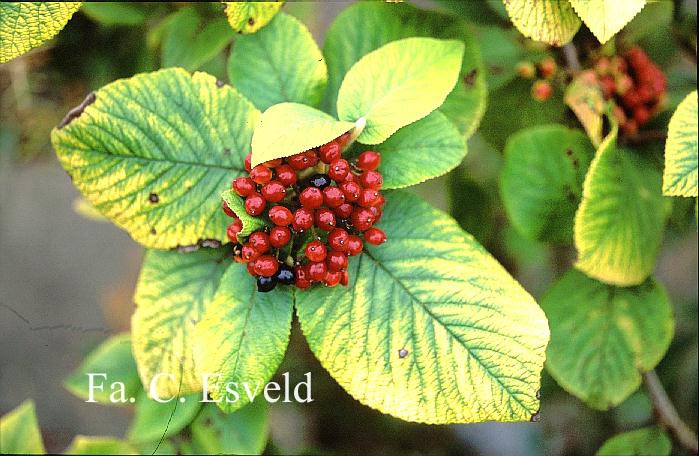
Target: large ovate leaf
{"x":154,"y":152}
{"x":424,"y":71}
{"x":114,"y":13}
{"x":422,"y":150}
{"x":366,"y":26}
{"x":603,"y":337}
{"x":155,"y":420}
{"x":26,"y":25}
{"x":680,"y":175}
{"x":19,"y":431}
{"x":114,"y":358}
{"x":83,"y":444}
{"x":237,"y":204}
{"x":619,"y":223}
{"x":431,"y":329}
{"x":172,"y":294}
{"x":242,"y":337}
{"x":249,"y":17}
{"x":551,"y":21}
{"x":541,"y":180}
{"x":584,"y":96}
{"x":289,"y":128}
{"x":649,"y":441}
{"x":244,"y":431}
{"x":605,"y":18}
{"x":261,"y":68}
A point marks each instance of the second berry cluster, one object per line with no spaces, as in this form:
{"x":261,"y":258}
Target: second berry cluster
{"x":318,"y":210}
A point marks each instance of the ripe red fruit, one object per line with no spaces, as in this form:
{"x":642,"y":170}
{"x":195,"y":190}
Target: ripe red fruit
{"x":315,"y":251}
{"x":286,"y":175}
{"x":303,"y":219}
{"x":312,"y":156}
{"x":248,"y":162}
{"x":251,"y":268}
{"x":344,"y":210}
{"x":248,"y":252}
{"x":227,"y":210}
{"x":243,"y":186}
{"x":330,"y":151}
{"x":311,"y":197}
{"x":325,"y":219}
{"x":317,"y":271}
{"x":273,"y":163}
{"x":299,"y":161}
{"x":351,"y":190}
{"x":371,"y":179}
{"x":338,"y":170}
{"x":333,"y":197}
{"x":279,"y":236}
{"x":302,"y":278}
{"x":369,"y":160}
{"x":641,"y":115}
{"x":376,"y":210}
{"x":354,"y":245}
{"x":336,"y":261}
{"x":260,"y":174}
{"x":369,"y":197}
{"x":266,"y":266}
{"x":547,"y":67}
{"x":337,"y":239}
{"x":255,"y":204}
{"x":273,"y":191}
{"x":343,"y":139}
{"x":344,"y":281}
{"x":541,"y":90}
{"x":362,"y":218}
{"x":259,"y":241}
{"x":233,"y":230}
{"x":332,"y":278}
{"x":375,"y":236}
{"x":281,"y":216}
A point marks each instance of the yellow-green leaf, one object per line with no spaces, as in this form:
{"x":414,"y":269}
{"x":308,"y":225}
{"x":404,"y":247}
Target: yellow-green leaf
{"x":431,"y":328}
{"x":19,"y":431}
{"x":154,"y":152}
{"x":83,"y":444}
{"x":680,"y":175}
{"x":26,"y":25}
{"x":551,"y":21}
{"x":649,"y":441}
{"x":289,"y":128}
{"x":605,"y":18}
{"x":585,"y":98}
{"x":155,"y":420}
{"x":423,"y":72}
{"x":249,"y":17}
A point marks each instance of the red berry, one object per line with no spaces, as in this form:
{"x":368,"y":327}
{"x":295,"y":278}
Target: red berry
{"x":251,"y":268}
{"x":243,"y":186}
{"x":273,"y":163}
{"x":315,"y":251}
{"x":248,"y":162}
{"x":337,"y":261}
{"x":371,"y":179}
{"x":608,"y":86}
{"x":299,"y":161}
{"x":259,"y":241}
{"x":369,"y":197}
{"x":333,"y":196}
{"x":286,"y":175}
{"x":311,"y":197}
{"x":227,"y":210}
{"x":343,"y":139}
{"x":273,"y":191}
{"x":279,"y":236}
{"x":344,"y":281}
{"x":369,"y":160}
{"x":332,"y":278}
{"x":641,"y":115}
{"x":266,"y":266}
{"x":339,"y":169}
{"x":362,"y":218}
{"x":337,"y":239}
{"x":260,"y":174}
{"x":325,"y":219}
{"x":351,"y":190}
{"x":376,"y":211}
{"x":302,"y":278}
{"x":547,"y":67}
{"x":248,"y":252}
{"x":281,"y":216}
{"x":303,"y":219}
{"x":317,"y":271}
{"x":631,"y":99}
{"x":354,"y":245}
{"x":255,"y":204}
{"x":330,"y":152}
{"x":375,"y":236}
{"x":312,"y":156}
{"x":343,"y":211}
{"x":233,"y":230}
{"x":541,"y":90}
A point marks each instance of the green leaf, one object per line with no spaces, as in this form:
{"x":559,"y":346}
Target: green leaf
{"x":83,"y":444}
{"x":422,"y":150}
{"x":237,"y":205}
{"x":501,"y":52}
{"x":154,"y":152}
{"x":289,"y":128}
{"x":603,"y":337}
{"x":585,"y":98}
{"x":422,"y":73}
{"x":260,"y":67}
{"x":431,"y":329}
{"x":541,"y":180}
{"x":19,"y":431}
{"x":172,"y":294}
{"x":605,"y":18}
{"x":242,"y":432}
{"x":680,"y":175}
{"x":114,"y":13}
{"x":112,"y":357}
{"x":242,"y":337}
{"x":551,"y":21}
{"x":366,"y":26}
{"x":26,"y":25}
{"x":249,"y":17}
{"x":619,"y":223}
{"x":649,"y":441}
{"x":190,"y":41}
{"x":154,"y":421}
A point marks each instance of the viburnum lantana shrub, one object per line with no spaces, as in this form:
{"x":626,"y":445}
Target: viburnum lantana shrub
{"x":404,"y":309}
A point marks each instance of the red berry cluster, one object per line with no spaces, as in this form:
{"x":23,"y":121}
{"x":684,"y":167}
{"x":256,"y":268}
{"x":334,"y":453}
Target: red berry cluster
{"x":544,"y":70}
{"x":321,"y":209}
{"x":635,"y":83}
